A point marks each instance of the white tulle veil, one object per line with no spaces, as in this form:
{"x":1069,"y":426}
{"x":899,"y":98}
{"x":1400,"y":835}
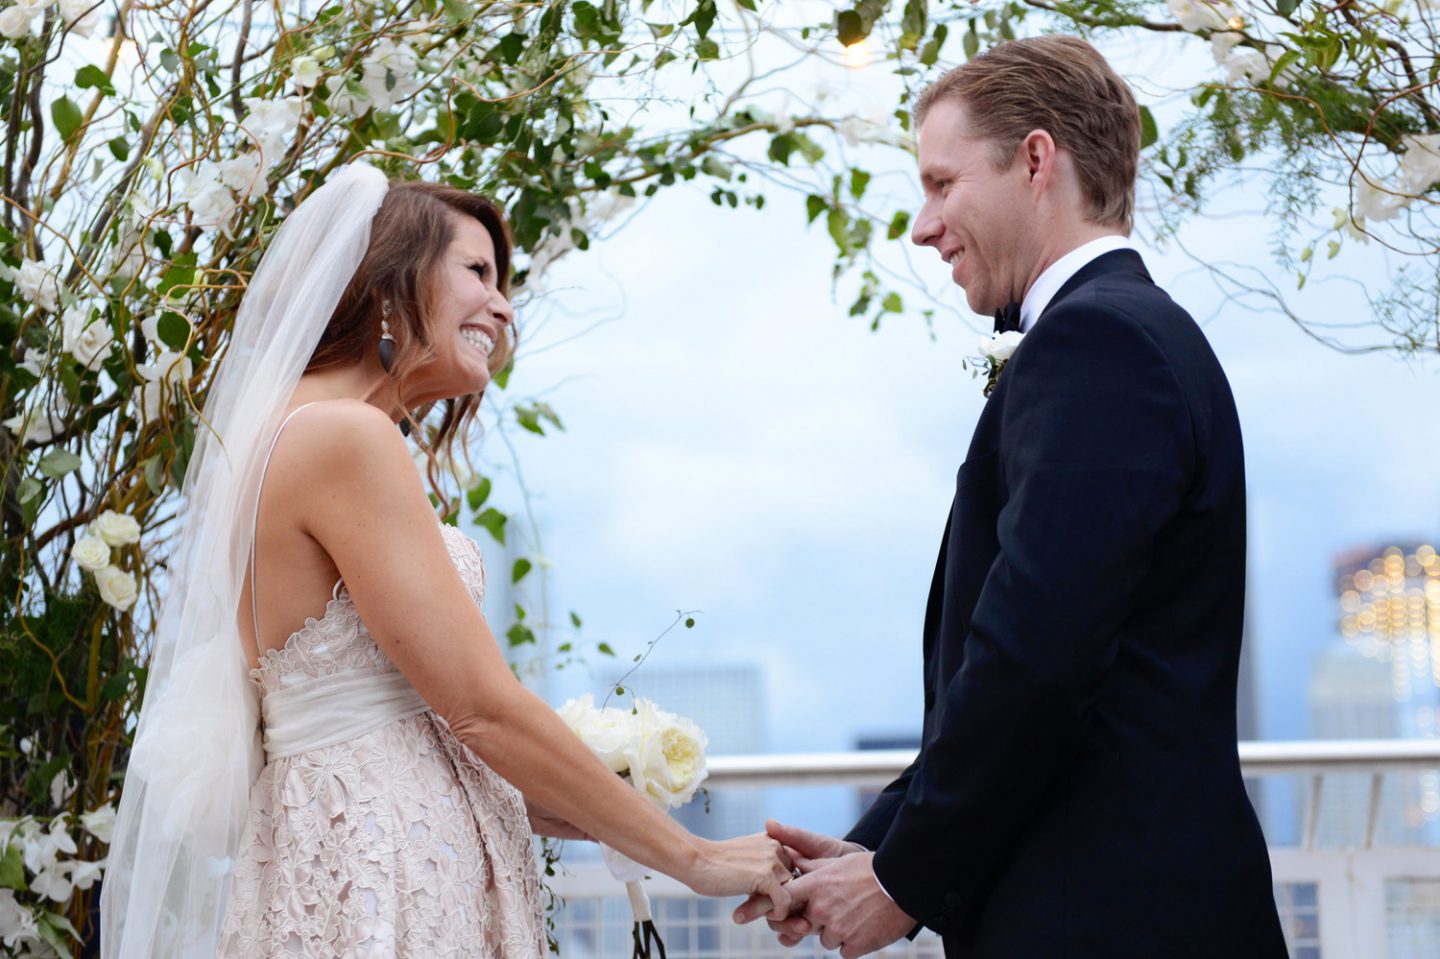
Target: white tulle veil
{"x":197,"y":745}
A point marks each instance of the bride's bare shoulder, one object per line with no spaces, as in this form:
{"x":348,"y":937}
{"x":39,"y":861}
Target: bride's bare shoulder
{"x":349,"y":444}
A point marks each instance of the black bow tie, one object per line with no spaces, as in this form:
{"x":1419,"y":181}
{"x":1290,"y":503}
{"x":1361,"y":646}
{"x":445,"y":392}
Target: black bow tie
{"x":1007,"y":320}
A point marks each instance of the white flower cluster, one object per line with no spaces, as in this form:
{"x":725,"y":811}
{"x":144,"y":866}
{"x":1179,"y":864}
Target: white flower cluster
{"x":80,"y":16}
{"x":91,"y":552}
{"x":662,"y":754}
{"x":164,"y":380}
{"x":52,"y":878}
{"x":37,"y":283}
{"x":86,"y":335}
{"x":388,"y":75}
{"x":1221,"y":22}
{"x":1418,"y":171}
{"x":214,"y":190}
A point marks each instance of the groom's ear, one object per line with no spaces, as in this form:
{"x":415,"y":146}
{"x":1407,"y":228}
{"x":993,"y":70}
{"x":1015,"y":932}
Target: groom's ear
{"x":1037,"y":151}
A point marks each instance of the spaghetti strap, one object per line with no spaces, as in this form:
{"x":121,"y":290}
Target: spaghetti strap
{"x":255,"y":526}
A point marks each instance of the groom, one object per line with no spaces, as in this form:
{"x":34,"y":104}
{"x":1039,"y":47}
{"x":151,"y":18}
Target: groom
{"x":1078,"y":792}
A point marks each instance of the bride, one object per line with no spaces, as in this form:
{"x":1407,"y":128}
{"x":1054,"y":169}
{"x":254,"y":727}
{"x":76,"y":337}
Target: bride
{"x":333,"y":757}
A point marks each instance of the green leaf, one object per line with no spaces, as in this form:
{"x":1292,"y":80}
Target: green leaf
{"x":181,"y":272}
{"x":971,"y":43}
{"x":30,"y":488}
{"x":1286,"y":7}
{"x":707,"y":50}
{"x":58,"y":462}
{"x":859,"y":180}
{"x":521,"y":567}
{"x":930,"y":53}
{"x":493,"y":522}
{"x":91,"y":76}
{"x":839,"y":226}
{"x":520,"y":634}
{"x":912,"y":23}
{"x":67,"y":117}
{"x":814,"y":206}
{"x":457,"y":11}
{"x":605,"y":650}
{"x":169,"y":59}
{"x":689,"y":622}
{"x":574,"y":619}
{"x":850,"y":28}
{"x":174,"y":330}
{"x":703,"y":18}
{"x":1149,"y":132}
{"x":155,"y":473}
{"x":477,"y":495}
{"x":893,"y":303}
{"x":51,"y":928}
{"x":747,"y":4}
{"x":119,"y":149}
{"x":899,"y":223}
{"x":12,"y":869}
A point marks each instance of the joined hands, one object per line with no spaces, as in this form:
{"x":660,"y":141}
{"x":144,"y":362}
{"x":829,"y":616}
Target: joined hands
{"x":836,"y":896}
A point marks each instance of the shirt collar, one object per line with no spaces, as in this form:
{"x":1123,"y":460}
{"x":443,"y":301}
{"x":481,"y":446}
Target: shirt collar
{"x":1043,"y":290}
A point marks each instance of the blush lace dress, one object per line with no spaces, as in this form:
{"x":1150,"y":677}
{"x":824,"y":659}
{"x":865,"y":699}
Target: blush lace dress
{"x":373,"y":831}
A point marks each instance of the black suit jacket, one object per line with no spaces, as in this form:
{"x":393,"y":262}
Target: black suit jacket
{"x":1078,"y":791}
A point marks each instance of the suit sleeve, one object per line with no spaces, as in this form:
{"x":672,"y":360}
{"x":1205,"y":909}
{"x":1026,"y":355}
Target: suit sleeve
{"x":1097,"y":450}
{"x":873,"y":826}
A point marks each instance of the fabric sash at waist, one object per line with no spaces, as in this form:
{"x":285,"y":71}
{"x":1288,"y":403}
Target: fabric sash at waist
{"x":331,"y":709}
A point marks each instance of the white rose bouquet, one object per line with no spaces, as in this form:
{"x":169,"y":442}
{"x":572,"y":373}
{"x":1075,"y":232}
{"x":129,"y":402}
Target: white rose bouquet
{"x":663,"y":756}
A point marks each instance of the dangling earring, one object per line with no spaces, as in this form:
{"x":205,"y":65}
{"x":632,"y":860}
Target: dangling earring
{"x":387,"y":353}
{"x":387,"y":339}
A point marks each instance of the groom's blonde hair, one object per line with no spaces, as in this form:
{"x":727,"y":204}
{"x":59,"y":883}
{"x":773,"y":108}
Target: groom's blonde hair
{"x":1061,"y":85}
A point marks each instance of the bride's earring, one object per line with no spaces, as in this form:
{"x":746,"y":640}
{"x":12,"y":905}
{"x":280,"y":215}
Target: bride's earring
{"x":387,"y":339}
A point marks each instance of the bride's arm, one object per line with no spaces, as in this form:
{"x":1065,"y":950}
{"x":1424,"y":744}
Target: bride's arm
{"x":366,"y":506}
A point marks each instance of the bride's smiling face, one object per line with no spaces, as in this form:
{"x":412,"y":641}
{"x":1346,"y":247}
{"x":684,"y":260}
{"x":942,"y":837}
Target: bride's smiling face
{"x":468,"y":320}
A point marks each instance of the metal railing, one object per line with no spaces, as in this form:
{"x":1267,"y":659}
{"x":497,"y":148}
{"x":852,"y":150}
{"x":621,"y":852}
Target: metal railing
{"x":1364,"y":900}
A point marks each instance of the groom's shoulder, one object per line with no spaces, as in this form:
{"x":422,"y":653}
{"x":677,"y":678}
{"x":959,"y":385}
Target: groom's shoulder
{"x":1126,"y":312}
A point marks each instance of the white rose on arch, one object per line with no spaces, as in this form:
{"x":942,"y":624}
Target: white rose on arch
{"x":91,"y":552}
{"x":84,"y":337}
{"x":117,"y":587}
{"x":116,"y":529}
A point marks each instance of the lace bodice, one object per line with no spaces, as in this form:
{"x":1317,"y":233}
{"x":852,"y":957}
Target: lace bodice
{"x":397,"y":842}
{"x":338,"y":641}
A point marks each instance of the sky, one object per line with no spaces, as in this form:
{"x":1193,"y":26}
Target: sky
{"x":736,"y":445}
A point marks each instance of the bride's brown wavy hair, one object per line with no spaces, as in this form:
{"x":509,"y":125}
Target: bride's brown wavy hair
{"x":408,"y":238}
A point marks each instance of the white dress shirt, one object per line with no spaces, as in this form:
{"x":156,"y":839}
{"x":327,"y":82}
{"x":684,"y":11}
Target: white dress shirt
{"x":1043,"y":290}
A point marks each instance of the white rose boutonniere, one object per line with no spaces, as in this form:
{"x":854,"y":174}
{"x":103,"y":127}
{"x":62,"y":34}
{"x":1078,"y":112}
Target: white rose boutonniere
{"x":117,"y":529}
{"x":995,"y":352}
{"x":91,"y":552}
{"x":117,"y":587}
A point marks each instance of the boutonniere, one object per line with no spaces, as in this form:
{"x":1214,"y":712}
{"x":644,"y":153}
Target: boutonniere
{"x":995,"y":352}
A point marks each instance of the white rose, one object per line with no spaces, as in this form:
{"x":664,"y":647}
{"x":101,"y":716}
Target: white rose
{"x":34,"y":426}
{"x":81,"y":16}
{"x":608,"y":732}
{"x":667,"y":757}
{"x":117,"y":529}
{"x":38,"y":284}
{"x":15,"y":22}
{"x":88,"y":340}
{"x":91,"y":552}
{"x":117,"y":587}
{"x":305,"y":71}
{"x":100,"y":822}
{"x":1001,"y":346}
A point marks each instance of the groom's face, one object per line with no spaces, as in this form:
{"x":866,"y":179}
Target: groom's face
{"x":976,"y":216}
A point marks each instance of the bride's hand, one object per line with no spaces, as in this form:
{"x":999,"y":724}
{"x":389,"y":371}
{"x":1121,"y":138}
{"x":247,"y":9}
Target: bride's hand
{"x":746,"y":865}
{"x":543,"y":822}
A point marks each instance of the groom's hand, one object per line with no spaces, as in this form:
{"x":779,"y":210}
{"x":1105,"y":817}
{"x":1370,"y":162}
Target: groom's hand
{"x":845,"y":906}
{"x":808,"y":850}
